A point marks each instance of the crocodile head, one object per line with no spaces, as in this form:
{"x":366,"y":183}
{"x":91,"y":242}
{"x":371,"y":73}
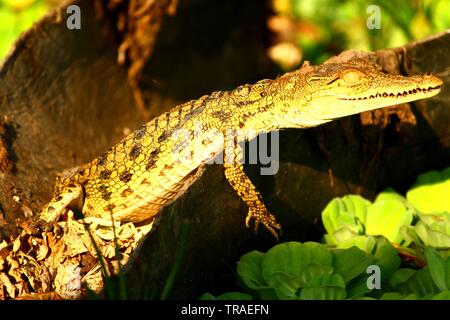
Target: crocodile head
{"x":335,"y":90}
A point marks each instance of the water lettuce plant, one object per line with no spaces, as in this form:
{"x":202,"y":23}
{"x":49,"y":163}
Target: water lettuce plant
{"x":360,"y":254}
{"x":410,"y":223}
{"x":313,"y":271}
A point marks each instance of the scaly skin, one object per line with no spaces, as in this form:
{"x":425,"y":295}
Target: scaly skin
{"x":151,"y":167}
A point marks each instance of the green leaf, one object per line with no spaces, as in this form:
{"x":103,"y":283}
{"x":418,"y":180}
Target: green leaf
{"x":444,"y":295}
{"x":420,"y":283}
{"x":358,"y":287}
{"x":391,"y":296}
{"x":334,"y":280}
{"x":431,"y":237}
{"x":447,"y":272}
{"x":386,"y":258}
{"x":350,"y":263}
{"x":207,"y":296}
{"x":437,"y":222}
{"x":283,"y":264}
{"x":249,"y":268}
{"x":431,"y":192}
{"x":386,"y":217}
{"x":390,"y":194}
{"x":312,"y":271}
{"x":436,"y":265}
{"x":234,"y":296}
{"x":365,"y":243}
{"x":410,"y":235}
{"x":267,"y":294}
{"x":323,"y":293}
{"x":349,"y":211}
{"x":411,"y":296}
{"x":343,"y":234}
{"x":400,"y":276}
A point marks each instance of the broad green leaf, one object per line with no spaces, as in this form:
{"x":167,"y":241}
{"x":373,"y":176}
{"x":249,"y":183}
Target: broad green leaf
{"x":411,"y":296}
{"x":410,"y":235}
{"x":447,"y":272}
{"x":208,"y":296}
{"x":386,"y":258}
{"x":349,"y":211}
{"x":283,"y":264}
{"x":312,"y":271}
{"x":437,"y":222}
{"x":431,"y":192}
{"x":391,"y":296}
{"x":444,"y":295}
{"x":267,"y":294}
{"x":390,"y":194}
{"x":234,"y":296}
{"x":365,"y":243}
{"x":350,"y":263}
{"x":431,"y":237}
{"x":343,"y":234}
{"x":420,"y":283}
{"x":400,"y":276}
{"x":334,"y":280}
{"x":283,"y":293}
{"x":386,"y":217}
{"x":323,"y":293}
{"x":249,"y":268}
{"x":358,"y":287}
{"x":436,"y":265}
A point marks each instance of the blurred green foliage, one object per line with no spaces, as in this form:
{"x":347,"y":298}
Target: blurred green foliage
{"x":326,"y":27}
{"x":320,"y":28}
{"x":17,"y":16}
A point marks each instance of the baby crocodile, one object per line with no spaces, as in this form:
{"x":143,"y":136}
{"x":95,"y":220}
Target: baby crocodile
{"x":154,"y":165}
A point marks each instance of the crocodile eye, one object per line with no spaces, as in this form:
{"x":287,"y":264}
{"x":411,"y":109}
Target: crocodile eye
{"x":352,"y":77}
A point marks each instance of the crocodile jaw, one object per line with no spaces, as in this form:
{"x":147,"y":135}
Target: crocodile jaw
{"x":401,"y":90}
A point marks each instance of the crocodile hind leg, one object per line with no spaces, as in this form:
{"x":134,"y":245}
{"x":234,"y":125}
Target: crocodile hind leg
{"x":53,"y":210}
{"x":234,"y":172}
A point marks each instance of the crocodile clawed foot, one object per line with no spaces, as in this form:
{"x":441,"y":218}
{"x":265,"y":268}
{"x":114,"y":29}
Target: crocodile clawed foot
{"x":261,"y":215}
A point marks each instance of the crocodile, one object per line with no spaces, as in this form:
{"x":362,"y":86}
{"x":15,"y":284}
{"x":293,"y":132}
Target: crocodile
{"x":154,"y":165}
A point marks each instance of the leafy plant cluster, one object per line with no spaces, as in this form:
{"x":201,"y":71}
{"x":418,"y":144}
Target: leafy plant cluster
{"x":362,"y":238}
{"x":420,"y":219}
{"x":312,"y":271}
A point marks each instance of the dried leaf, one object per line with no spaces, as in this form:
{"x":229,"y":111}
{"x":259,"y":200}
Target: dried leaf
{"x":41,"y":296}
{"x":3,"y":245}
{"x":42,"y":252}
{"x":10,"y":289}
{"x":17,"y":244}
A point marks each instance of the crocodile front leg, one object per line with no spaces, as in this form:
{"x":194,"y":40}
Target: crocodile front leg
{"x":234,"y":172}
